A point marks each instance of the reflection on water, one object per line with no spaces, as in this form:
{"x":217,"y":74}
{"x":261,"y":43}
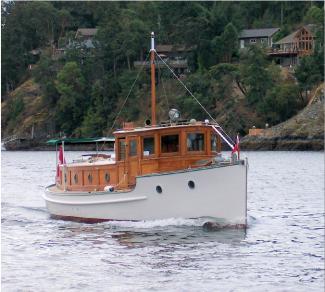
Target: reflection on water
{"x":281,"y":250}
{"x":134,"y":238}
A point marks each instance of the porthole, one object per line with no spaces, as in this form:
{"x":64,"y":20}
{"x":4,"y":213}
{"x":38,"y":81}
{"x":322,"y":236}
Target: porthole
{"x":107,"y":177}
{"x":75,"y":178}
{"x":90,"y":178}
{"x":191,"y":184}
{"x":159,"y":189}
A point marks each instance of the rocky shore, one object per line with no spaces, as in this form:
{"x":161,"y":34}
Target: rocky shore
{"x":305,"y":131}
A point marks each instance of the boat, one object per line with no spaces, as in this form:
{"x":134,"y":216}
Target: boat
{"x":169,"y":169}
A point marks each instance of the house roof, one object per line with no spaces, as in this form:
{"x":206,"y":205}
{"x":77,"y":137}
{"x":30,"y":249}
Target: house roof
{"x":258,"y":33}
{"x":290,"y":38}
{"x":287,"y":39}
{"x":86,"y":31}
{"x":173,"y":48}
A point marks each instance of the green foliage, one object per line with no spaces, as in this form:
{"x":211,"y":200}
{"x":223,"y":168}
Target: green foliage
{"x":45,"y":74}
{"x":73,"y":100}
{"x":280,"y":103}
{"x":199,"y":84}
{"x":308,"y":73}
{"x":16,"y":107}
{"x":254,"y":74}
{"x":315,"y":15}
{"x":87,"y":87}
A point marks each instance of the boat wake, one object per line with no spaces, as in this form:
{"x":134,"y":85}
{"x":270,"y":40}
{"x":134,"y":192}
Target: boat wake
{"x":172,"y":222}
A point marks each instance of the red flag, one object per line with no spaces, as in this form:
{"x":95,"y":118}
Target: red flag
{"x":61,"y":161}
{"x":236,"y":147}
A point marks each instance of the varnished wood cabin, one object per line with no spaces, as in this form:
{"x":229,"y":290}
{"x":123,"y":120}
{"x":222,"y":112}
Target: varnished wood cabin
{"x":145,"y":151}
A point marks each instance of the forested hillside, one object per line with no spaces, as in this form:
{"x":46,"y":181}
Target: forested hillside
{"x":81,"y":92}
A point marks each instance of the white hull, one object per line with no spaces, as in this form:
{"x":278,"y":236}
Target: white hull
{"x":219,"y":192}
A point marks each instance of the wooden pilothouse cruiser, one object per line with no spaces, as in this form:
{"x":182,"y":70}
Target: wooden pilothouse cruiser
{"x":161,"y":170}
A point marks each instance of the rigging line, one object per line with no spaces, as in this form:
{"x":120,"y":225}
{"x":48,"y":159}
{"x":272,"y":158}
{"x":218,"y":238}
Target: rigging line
{"x":164,"y":89}
{"x":187,"y":89}
{"x":129,"y":93}
{"x":195,"y":98}
{"x":124,"y":102}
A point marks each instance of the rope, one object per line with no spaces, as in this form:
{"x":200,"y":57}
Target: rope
{"x":180,"y":81}
{"x":164,"y":89}
{"x":125,"y":100}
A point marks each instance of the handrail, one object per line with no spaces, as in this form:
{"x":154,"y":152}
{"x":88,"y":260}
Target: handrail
{"x":223,"y":137}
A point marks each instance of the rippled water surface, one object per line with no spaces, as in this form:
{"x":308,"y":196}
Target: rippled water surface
{"x":282,"y":250}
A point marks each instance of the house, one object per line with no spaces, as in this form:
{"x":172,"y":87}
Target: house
{"x":83,"y":39}
{"x":289,"y":49}
{"x":86,"y":33}
{"x":176,"y":56}
{"x":262,"y":37}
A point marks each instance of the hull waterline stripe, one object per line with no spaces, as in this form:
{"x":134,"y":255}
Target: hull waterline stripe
{"x":113,"y":201}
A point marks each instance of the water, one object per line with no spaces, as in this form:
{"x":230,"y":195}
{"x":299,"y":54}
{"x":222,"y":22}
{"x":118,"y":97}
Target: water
{"x":282,"y":250}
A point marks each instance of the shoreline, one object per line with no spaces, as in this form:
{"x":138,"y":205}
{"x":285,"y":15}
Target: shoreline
{"x":248,"y":143}
{"x":289,"y":143}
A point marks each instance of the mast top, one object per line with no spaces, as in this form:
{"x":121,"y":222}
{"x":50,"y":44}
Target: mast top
{"x":152,"y":41}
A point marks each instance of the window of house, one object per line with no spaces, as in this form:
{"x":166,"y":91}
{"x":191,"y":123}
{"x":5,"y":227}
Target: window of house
{"x":133,"y":148}
{"x":213,"y":142}
{"x":252,"y":41}
{"x":195,"y":142}
{"x":122,"y":149}
{"x":148,"y":146}
{"x":169,"y":143}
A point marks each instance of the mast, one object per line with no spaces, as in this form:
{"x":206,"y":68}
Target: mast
{"x":153,"y":80}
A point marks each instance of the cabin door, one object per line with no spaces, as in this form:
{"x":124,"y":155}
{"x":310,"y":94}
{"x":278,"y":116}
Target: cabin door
{"x":133,"y":159}
{"x":122,"y":163}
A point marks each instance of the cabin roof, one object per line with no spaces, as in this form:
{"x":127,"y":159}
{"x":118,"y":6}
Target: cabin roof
{"x":80,"y":140}
{"x":258,"y":33}
{"x":159,"y":128}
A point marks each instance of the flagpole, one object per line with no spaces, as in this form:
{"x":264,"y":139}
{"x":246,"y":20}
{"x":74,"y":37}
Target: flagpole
{"x":238,"y":149}
{"x":56,"y":162}
{"x":63,"y":173}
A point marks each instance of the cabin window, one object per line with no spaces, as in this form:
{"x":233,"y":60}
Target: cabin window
{"x":169,"y":143}
{"x":214,"y":142}
{"x":90,"y":178}
{"x":133,"y":148}
{"x":75,"y":178}
{"x":148,"y":146}
{"x":121,"y":149}
{"x":195,"y":142}
{"x":107,"y":177}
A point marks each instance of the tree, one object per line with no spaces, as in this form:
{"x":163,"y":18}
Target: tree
{"x":230,"y":41}
{"x":45,"y":74}
{"x":280,"y":103}
{"x":308,"y":74}
{"x":255,"y":75}
{"x":102,"y":109}
{"x":73,"y":102}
